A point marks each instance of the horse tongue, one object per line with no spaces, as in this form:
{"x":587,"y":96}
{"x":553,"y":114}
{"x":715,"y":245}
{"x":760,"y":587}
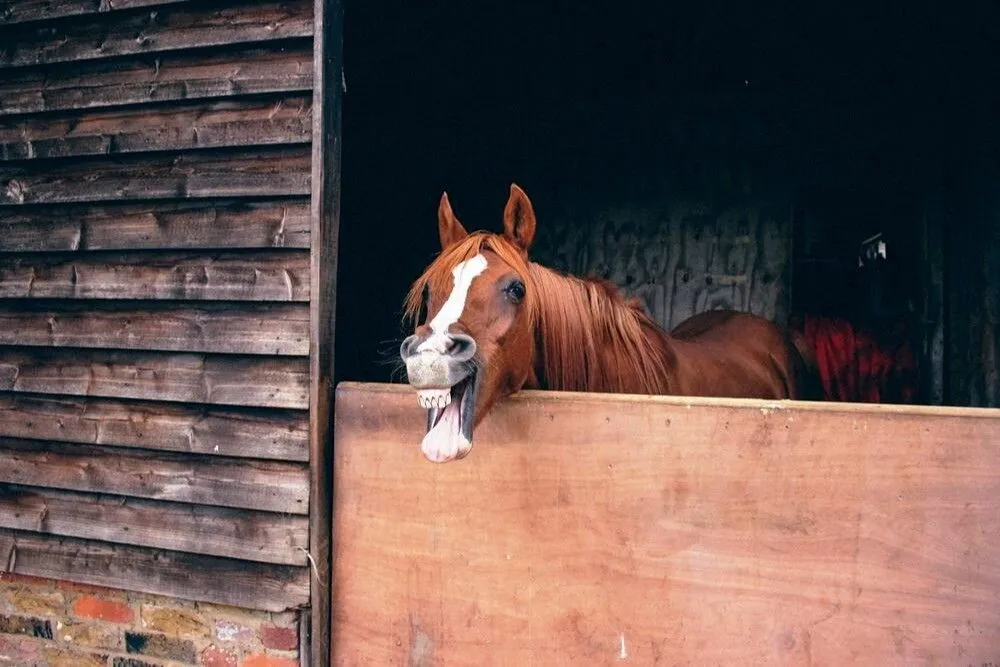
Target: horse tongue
{"x":445,"y":441}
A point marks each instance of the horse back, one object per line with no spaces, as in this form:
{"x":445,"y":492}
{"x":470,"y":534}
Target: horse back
{"x":743,"y":343}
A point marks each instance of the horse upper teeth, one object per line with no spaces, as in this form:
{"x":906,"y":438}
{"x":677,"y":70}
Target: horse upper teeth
{"x":433,"y":398}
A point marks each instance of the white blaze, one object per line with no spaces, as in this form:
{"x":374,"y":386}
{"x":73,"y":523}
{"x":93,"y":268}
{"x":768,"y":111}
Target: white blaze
{"x":464,"y":273}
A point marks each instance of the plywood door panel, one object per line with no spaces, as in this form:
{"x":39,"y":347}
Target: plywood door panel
{"x":591,"y":529}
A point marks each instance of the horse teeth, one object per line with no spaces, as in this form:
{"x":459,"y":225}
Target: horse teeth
{"x":433,"y":398}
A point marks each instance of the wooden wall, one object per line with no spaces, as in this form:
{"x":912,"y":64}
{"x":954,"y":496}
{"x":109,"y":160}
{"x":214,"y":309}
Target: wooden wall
{"x":686,"y":204}
{"x":972,"y":283}
{"x":681,"y":258}
{"x":588,"y":529}
{"x":154,"y":296}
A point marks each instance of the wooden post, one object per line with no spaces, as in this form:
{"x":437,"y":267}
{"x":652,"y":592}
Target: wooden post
{"x":327,"y":90}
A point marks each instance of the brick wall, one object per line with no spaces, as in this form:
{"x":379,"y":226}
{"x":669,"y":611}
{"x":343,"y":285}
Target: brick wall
{"x":57,"y":623}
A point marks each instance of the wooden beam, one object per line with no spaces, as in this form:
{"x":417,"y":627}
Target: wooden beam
{"x":20,"y":11}
{"x":585,"y":527}
{"x":166,"y":225}
{"x":238,"y":122}
{"x":165,"y":78}
{"x":264,"y":172}
{"x":271,"y":486}
{"x":327,"y":101}
{"x":190,"y":378}
{"x":279,"y":329}
{"x":260,"y":276}
{"x":173,"y":574}
{"x":169,"y":29}
{"x":212,"y":531}
{"x":195,"y":429}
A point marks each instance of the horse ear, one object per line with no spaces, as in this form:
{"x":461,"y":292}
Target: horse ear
{"x":519,"y":218}
{"x":450,"y":230}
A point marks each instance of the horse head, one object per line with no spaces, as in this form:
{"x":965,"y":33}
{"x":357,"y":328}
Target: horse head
{"x":475,"y":344}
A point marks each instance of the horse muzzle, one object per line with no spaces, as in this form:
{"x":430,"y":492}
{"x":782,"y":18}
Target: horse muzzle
{"x":446,"y":378}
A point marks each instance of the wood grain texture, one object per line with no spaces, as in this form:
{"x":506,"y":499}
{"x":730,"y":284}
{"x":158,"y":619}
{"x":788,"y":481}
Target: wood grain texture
{"x":264,"y":172}
{"x":171,"y":77}
{"x":584,"y":527}
{"x":20,"y":11}
{"x":270,"y":486}
{"x":212,"y":531}
{"x":174,"y":574}
{"x":281,"y":330}
{"x":191,"y":126}
{"x":680,"y":258}
{"x":168,"y":225}
{"x":252,"y":433}
{"x":271,"y":276}
{"x":325,"y":209}
{"x":189,"y":378}
{"x":184,"y":26}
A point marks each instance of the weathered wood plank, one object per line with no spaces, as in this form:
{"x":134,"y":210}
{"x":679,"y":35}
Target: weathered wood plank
{"x":262,"y":276}
{"x":158,"y":30}
{"x":212,"y":531}
{"x":272,"y":486}
{"x":326,"y":179}
{"x":97,"y":84}
{"x":584,"y":526}
{"x":271,"y":329}
{"x":174,"y":574}
{"x":254,"y":433}
{"x":229,"y":123}
{"x":264,"y":172}
{"x":266,"y":224}
{"x":190,"y":378}
{"x":20,"y":11}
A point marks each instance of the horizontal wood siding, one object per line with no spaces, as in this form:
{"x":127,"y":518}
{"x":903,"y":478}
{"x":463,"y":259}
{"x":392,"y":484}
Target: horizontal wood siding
{"x":20,"y":11}
{"x":155,"y":180}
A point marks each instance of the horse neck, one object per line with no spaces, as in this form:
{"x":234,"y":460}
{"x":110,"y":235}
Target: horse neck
{"x":589,"y":339}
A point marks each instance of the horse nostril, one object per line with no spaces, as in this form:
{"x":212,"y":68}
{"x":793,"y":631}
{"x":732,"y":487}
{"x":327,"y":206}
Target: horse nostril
{"x":409,"y":347}
{"x":462,"y":347}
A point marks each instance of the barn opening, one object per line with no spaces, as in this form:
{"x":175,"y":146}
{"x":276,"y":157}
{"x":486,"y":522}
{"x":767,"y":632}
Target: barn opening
{"x":698,"y":155}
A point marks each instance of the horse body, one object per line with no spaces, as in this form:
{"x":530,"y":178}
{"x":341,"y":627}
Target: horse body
{"x":497,"y":323}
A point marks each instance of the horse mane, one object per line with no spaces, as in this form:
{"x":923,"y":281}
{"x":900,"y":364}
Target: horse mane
{"x":589,"y":338}
{"x":592,"y":339}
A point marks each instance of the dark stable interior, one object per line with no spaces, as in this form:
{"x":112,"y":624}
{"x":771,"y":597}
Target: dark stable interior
{"x":867,"y":109}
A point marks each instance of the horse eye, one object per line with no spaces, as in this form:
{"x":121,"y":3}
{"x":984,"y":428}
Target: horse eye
{"x":515,"y":291}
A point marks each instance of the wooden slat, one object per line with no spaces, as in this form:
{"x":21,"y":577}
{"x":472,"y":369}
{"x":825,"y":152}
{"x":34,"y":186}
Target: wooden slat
{"x":211,"y":531}
{"x":157,"y":79}
{"x":263,"y":276}
{"x":253,"y":433}
{"x":20,"y":11}
{"x":220,"y":328}
{"x":191,"y":378}
{"x":159,"y":30}
{"x":229,"y":123}
{"x":581,"y":527}
{"x":271,"y":486}
{"x":274,"y":224}
{"x":155,"y":571}
{"x":326,"y":179}
{"x":264,"y":172}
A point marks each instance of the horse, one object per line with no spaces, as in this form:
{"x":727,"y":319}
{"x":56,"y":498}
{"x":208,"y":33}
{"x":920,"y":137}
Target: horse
{"x":495,"y":323}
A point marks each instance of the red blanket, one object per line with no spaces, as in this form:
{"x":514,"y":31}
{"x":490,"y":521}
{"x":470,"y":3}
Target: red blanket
{"x":856,"y":367}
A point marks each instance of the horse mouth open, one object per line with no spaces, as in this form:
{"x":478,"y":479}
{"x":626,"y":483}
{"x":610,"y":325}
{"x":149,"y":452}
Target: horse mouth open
{"x":451,"y":415}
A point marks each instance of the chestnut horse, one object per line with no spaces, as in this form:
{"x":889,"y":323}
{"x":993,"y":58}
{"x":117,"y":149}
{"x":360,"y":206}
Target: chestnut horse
{"x":497,"y":322}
